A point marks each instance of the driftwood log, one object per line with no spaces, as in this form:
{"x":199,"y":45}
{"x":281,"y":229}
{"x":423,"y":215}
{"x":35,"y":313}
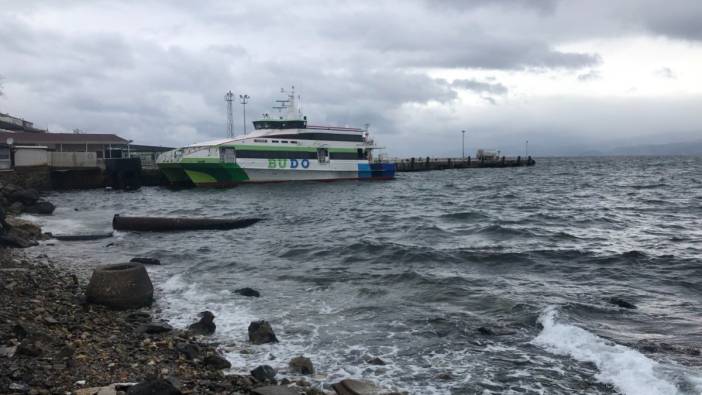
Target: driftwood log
{"x":161,"y":224}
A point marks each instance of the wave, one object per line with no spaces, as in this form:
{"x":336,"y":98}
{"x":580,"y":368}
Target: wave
{"x":498,"y":231}
{"x":629,"y":371}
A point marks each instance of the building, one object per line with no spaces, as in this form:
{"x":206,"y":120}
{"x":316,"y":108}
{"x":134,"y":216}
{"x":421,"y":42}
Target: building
{"x":103,"y":145}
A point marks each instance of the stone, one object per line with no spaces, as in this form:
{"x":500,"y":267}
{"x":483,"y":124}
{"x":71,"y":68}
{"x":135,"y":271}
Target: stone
{"x":250,"y":292}
{"x":263,"y":373}
{"x":40,"y":207}
{"x":28,"y":227}
{"x":356,"y":387}
{"x":154,"y":328}
{"x":8,"y":352}
{"x":26,"y":196}
{"x":31,"y":347}
{"x":621,"y":303}
{"x":153,"y":387}
{"x":145,"y":261}
{"x":138,"y":316}
{"x":274,"y":390}
{"x":261,"y":332}
{"x":191,"y":351}
{"x":21,"y":387}
{"x":217,"y":362}
{"x":205,"y":326}
{"x":483,"y":330}
{"x":12,"y":239}
{"x":301,"y":365}
{"x":375,"y":361}
{"x":16,"y":208}
{"x":443,"y":376}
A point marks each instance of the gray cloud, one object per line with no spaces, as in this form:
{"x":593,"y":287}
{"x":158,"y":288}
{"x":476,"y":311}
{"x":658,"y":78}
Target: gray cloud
{"x":156,"y":72}
{"x":480,"y":87}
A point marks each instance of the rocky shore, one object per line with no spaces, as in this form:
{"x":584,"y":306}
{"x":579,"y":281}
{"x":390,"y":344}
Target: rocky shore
{"x":52,"y":341}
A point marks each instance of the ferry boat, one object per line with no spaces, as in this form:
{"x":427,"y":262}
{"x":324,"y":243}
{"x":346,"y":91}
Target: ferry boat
{"x":279,"y":149}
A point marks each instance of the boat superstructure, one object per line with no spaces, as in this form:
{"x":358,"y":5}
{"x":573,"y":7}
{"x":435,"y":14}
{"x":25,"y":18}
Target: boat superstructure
{"x":283,"y":148}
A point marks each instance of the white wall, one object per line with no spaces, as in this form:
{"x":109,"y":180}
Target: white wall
{"x":31,"y":157}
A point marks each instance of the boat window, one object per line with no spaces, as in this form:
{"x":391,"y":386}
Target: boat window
{"x":284,"y":141}
{"x":227,"y":155}
{"x":323,"y":155}
{"x":293,"y":142}
{"x":260,"y":141}
{"x":275,"y":141}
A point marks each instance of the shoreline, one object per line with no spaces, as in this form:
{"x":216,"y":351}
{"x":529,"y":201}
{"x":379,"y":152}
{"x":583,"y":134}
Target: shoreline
{"x":53,"y":342}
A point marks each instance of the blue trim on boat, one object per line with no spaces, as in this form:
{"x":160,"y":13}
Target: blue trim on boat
{"x":376,"y":170}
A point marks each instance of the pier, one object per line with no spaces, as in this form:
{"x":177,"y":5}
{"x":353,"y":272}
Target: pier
{"x":428,"y":163}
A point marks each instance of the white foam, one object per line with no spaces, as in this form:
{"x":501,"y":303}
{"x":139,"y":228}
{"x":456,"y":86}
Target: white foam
{"x":628,"y":370}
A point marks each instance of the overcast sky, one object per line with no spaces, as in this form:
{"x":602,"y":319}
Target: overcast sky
{"x":565,"y":75}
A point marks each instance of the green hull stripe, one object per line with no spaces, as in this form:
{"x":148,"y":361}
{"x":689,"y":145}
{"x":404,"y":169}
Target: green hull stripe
{"x":207,"y":173}
{"x":173,"y":172}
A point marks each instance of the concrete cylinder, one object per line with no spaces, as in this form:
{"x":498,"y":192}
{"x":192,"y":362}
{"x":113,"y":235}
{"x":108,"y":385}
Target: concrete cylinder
{"x":120,"y":286}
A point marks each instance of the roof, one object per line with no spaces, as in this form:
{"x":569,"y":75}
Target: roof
{"x":62,"y":138}
{"x":149,"y":148}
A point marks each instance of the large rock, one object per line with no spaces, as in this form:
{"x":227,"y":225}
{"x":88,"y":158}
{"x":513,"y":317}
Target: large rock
{"x":205,"y":326}
{"x":301,"y":365}
{"x":121,"y":286}
{"x":274,"y":390}
{"x":27,"y":196}
{"x":263,"y":373}
{"x":261,"y":332}
{"x":621,"y":303}
{"x":26,"y":228}
{"x":250,"y":292}
{"x":153,"y":387}
{"x":216,"y":362}
{"x":189,"y":350}
{"x":13,"y":239}
{"x":40,"y":207}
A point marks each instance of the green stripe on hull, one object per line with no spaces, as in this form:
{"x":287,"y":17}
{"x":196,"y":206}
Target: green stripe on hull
{"x":214,"y":173}
{"x":174,"y":173}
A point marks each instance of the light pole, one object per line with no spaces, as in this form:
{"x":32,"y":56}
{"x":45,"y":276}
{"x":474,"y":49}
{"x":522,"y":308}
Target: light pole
{"x":463,"y":143}
{"x":244,"y":99}
{"x":526,"y":148}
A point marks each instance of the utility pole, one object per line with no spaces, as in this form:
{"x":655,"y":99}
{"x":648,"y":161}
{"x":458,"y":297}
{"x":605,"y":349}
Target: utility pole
{"x":463,"y":143}
{"x":230,"y":114}
{"x":244,"y":99}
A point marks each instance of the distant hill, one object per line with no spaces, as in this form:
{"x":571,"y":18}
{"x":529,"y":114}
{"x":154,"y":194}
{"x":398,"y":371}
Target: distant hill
{"x":686,"y":148}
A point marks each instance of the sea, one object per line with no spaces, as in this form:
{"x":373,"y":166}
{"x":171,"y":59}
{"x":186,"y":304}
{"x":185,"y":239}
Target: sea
{"x":476,"y":281}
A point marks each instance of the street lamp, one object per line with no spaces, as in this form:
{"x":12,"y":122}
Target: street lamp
{"x":526,"y":148}
{"x":463,"y":143}
{"x":244,"y":99}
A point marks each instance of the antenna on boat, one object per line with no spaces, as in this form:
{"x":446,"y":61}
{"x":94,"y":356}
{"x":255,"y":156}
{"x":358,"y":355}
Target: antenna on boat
{"x":230,"y":113}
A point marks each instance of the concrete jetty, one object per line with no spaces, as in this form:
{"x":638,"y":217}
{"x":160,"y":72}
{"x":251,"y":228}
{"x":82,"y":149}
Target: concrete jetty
{"x":428,"y":163}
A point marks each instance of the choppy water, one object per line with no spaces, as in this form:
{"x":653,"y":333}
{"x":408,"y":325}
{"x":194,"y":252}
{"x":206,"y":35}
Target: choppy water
{"x":408,"y":270}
